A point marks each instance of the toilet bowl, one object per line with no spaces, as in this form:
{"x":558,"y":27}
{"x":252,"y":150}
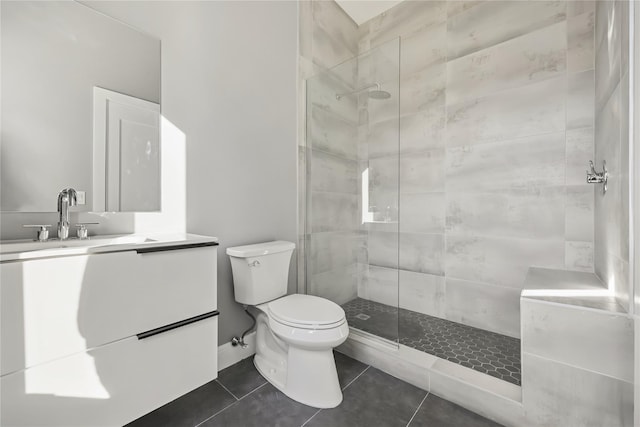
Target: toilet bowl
{"x":295,"y":354}
{"x":296,"y":333}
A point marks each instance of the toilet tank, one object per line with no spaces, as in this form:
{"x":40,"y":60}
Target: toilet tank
{"x":260,"y":271}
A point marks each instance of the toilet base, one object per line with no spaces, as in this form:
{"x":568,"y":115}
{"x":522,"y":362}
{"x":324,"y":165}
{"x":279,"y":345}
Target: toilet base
{"x":306,"y":376}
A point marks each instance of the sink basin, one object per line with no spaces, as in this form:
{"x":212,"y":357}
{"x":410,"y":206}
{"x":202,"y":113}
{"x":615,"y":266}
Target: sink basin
{"x":15,"y":246}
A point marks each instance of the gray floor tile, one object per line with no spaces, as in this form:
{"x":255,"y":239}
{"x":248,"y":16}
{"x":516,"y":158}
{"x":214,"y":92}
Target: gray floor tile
{"x":264,"y":407}
{"x":241,"y":378}
{"x":374,"y":399}
{"x":188,"y":410}
{"x":348,"y":368}
{"x":437,"y":412}
{"x":487,"y":352}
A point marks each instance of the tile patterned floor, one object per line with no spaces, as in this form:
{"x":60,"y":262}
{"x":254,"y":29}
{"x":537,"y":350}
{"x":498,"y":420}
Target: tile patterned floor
{"x":487,"y":352}
{"x":241,"y":397}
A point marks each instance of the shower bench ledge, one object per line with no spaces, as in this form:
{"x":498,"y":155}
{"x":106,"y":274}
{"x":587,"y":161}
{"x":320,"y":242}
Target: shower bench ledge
{"x":576,"y":341}
{"x":574,"y":288}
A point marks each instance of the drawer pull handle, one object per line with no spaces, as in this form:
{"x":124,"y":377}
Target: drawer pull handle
{"x":175,"y":325}
{"x":144,"y":250}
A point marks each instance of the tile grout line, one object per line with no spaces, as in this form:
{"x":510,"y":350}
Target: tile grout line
{"x":418,"y":408}
{"x":244,"y":395}
{"x":237,"y":400}
{"x":228,"y":391}
{"x":317,"y":412}
{"x":353,"y":380}
{"x":228,"y":406}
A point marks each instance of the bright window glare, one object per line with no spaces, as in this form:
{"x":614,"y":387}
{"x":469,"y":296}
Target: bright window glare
{"x":568,"y":293}
{"x":366,"y":215}
{"x":173,"y":217}
{"x":69,"y":377}
{"x":52,"y":332}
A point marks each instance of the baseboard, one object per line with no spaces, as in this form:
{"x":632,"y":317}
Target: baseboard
{"x":229,"y":355}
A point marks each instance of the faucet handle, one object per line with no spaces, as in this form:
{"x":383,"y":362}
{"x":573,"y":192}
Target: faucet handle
{"x":595,"y":177}
{"x":42,"y":234}
{"x":82,"y":231}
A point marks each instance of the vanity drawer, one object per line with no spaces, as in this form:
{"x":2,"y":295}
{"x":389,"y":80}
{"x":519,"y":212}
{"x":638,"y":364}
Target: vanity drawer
{"x":55,"y":307}
{"x":113,"y":384}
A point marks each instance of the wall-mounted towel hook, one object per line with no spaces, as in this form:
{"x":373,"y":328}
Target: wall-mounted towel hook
{"x":595,"y":177}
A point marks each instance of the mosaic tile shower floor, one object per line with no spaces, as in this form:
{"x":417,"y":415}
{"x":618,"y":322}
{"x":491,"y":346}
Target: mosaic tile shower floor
{"x":487,"y":352}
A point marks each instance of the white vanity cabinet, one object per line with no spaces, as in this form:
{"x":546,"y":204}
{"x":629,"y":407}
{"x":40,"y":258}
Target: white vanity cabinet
{"x":102,"y":339}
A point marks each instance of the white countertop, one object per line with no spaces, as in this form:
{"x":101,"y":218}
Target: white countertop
{"x":18,"y":250}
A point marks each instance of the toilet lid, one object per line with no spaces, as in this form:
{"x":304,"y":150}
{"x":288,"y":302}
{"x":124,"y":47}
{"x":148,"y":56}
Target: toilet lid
{"x":307,"y":311}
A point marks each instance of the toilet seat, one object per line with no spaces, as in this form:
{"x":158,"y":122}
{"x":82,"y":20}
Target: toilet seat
{"x":306,"y":312}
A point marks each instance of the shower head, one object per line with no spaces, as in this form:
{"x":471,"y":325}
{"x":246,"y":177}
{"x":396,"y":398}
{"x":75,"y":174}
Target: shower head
{"x":377,"y":93}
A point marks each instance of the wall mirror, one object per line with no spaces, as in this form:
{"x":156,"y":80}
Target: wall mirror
{"x":80,"y":108}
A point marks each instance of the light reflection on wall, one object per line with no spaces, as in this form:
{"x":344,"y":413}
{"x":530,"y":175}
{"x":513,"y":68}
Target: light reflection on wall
{"x":173,"y":200}
{"x":367,"y":216}
{"x":568,"y":293}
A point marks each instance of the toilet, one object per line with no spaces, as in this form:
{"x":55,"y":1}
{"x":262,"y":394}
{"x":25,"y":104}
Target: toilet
{"x":296,"y":333}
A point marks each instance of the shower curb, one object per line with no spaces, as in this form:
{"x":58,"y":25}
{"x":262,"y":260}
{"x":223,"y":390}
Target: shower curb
{"x":483,"y":394}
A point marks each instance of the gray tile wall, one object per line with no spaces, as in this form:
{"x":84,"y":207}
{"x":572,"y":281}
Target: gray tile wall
{"x":496,"y":129}
{"x":612,"y":145}
{"x":503,"y":103}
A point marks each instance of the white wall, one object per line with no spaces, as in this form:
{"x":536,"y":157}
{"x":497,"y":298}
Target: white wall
{"x":228,"y":95}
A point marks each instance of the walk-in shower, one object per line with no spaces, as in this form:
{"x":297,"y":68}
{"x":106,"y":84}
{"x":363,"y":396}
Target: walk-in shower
{"x":375,"y":222}
{"x":454,"y":221}
{"x":426,"y":209}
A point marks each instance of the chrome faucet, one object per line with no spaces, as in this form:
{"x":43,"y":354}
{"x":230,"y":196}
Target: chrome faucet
{"x":66,"y":198}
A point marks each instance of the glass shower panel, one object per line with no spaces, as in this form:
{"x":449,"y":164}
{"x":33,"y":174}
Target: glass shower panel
{"x":352,"y":188}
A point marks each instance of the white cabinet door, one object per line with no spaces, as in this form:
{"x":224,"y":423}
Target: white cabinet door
{"x":126,"y":174}
{"x":114,"y":384}
{"x":51,"y":308}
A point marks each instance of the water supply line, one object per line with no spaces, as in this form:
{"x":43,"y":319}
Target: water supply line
{"x":235,"y":341}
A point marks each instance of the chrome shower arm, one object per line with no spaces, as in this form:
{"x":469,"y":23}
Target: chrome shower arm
{"x":341,"y":95}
